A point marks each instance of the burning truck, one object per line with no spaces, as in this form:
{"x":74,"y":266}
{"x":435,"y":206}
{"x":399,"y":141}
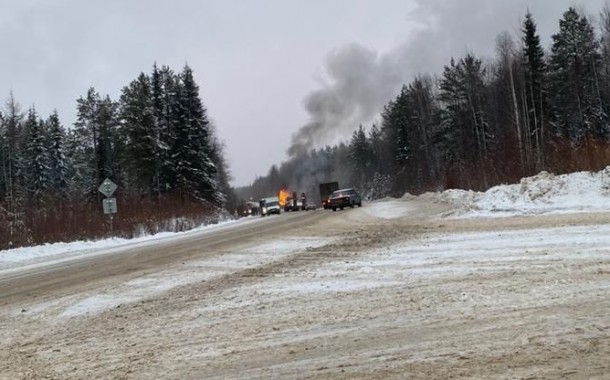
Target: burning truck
{"x":292,"y":201}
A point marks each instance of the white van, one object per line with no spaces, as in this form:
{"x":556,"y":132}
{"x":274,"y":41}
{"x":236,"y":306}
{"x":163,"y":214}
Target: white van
{"x":270,"y":206}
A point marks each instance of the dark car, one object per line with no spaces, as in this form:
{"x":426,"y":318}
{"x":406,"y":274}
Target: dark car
{"x":344,"y":198}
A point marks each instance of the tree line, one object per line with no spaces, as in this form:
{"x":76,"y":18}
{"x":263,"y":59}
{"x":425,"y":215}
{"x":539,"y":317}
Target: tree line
{"x":480,"y":123}
{"x":155,"y":142}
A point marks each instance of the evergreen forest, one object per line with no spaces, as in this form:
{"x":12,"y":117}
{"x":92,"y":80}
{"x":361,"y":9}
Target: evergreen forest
{"x":155,"y":143}
{"x":479,"y":123}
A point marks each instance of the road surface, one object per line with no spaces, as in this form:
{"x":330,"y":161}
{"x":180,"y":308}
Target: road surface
{"x":352,"y":294}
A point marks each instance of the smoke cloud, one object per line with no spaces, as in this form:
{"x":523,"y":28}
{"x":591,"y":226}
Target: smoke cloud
{"x":361,"y":81}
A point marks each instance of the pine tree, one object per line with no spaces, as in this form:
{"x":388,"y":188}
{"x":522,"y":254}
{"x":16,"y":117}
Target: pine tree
{"x":448,"y":137}
{"x":140,"y":154}
{"x":11,"y":140}
{"x":535,"y":95}
{"x":161,"y":85}
{"x":192,"y":150}
{"x":36,"y":169}
{"x":396,"y":129}
{"x":574,"y":74}
{"x":12,"y":160}
{"x":58,"y":164}
{"x":375,"y":138}
{"x":93,"y":141}
{"x":423,"y":119}
{"x":83,"y":142}
{"x":507,"y":109}
{"x":106,"y":154}
{"x":164,"y":91}
{"x":360,"y":155}
{"x":465,"y":132}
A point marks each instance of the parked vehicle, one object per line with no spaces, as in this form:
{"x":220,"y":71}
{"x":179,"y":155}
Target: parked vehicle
{"x":326,"y":189}
{"x":344,"y":198}
{"x":310,"y":206}
{"x":270,"y":206}
{"x":292,"y":203}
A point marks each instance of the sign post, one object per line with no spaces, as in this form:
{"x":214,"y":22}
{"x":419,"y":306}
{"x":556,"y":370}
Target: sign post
{"x":108,"y":204}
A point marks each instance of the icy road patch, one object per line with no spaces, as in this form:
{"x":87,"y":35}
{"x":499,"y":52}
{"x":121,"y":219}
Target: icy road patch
{"x":190,"y":273}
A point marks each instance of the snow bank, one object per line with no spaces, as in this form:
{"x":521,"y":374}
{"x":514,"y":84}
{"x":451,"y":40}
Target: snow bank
{"x":18,"y":257}
{"x":542,"y":193}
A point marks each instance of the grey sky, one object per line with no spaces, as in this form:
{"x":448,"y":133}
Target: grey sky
{"x":256,"y":61}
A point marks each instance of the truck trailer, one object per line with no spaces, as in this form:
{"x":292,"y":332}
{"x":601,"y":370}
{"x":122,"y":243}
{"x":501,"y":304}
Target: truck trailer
{"x":326,"y":189}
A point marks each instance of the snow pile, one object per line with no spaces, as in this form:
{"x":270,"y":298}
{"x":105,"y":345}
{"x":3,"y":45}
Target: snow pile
{"x":543,"y":193}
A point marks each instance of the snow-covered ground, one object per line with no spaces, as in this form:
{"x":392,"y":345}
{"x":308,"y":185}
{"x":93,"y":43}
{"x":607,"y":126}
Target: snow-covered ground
{"x":19,"y":257}
{"x":543,"y":193}
{"x":419,"y":285}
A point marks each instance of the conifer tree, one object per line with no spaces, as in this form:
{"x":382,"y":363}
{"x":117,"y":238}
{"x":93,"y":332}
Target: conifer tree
{"x":535,"y":95}
{"x":10,"y":136}
{"x":93,"y":141}
{"x":574,"y":76}
{"x":450,"y":137}
{"x":192,"y":149}
{"x":360,"y":155}
{"x":465,"y":120}
{"x":160,"y":92}
{"x":375,"y":138}
{"x":424,"y":113}
{"x":138,"y":127}
{"x":164,"y":89}
{"x":506,"y":108}
{"x":58,"y":164}
{"x":395,"y":122}
{"x":35,"y":165}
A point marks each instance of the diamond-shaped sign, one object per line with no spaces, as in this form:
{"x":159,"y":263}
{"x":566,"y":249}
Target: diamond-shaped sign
{"x":107,"y":187}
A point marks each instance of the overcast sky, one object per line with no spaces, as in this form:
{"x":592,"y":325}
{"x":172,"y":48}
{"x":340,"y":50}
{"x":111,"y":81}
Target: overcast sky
{"x":268,"y":69}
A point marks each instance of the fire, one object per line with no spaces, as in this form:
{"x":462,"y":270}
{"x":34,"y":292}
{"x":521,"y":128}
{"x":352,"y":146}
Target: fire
{"x":283,"y":197}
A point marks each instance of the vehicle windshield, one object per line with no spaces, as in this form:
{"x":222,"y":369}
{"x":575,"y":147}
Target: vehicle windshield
{"x":271,"y":204}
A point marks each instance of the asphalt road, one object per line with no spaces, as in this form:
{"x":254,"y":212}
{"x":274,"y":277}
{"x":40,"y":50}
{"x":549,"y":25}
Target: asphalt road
{"x":90,"y":271}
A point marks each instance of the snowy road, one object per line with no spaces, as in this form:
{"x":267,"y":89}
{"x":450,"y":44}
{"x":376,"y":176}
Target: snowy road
{"x":52,"y":274}
{"x":411,"y":288}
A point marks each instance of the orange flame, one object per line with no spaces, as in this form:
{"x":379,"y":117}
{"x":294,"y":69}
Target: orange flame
{"x":283,"y":197}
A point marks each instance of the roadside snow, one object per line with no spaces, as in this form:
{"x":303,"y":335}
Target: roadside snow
{"x":456,"y":255}
{"x":387,"y":209}
{"x":19,"y":257}
{"x":543,"y":193}
{"x":437,"y":255}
